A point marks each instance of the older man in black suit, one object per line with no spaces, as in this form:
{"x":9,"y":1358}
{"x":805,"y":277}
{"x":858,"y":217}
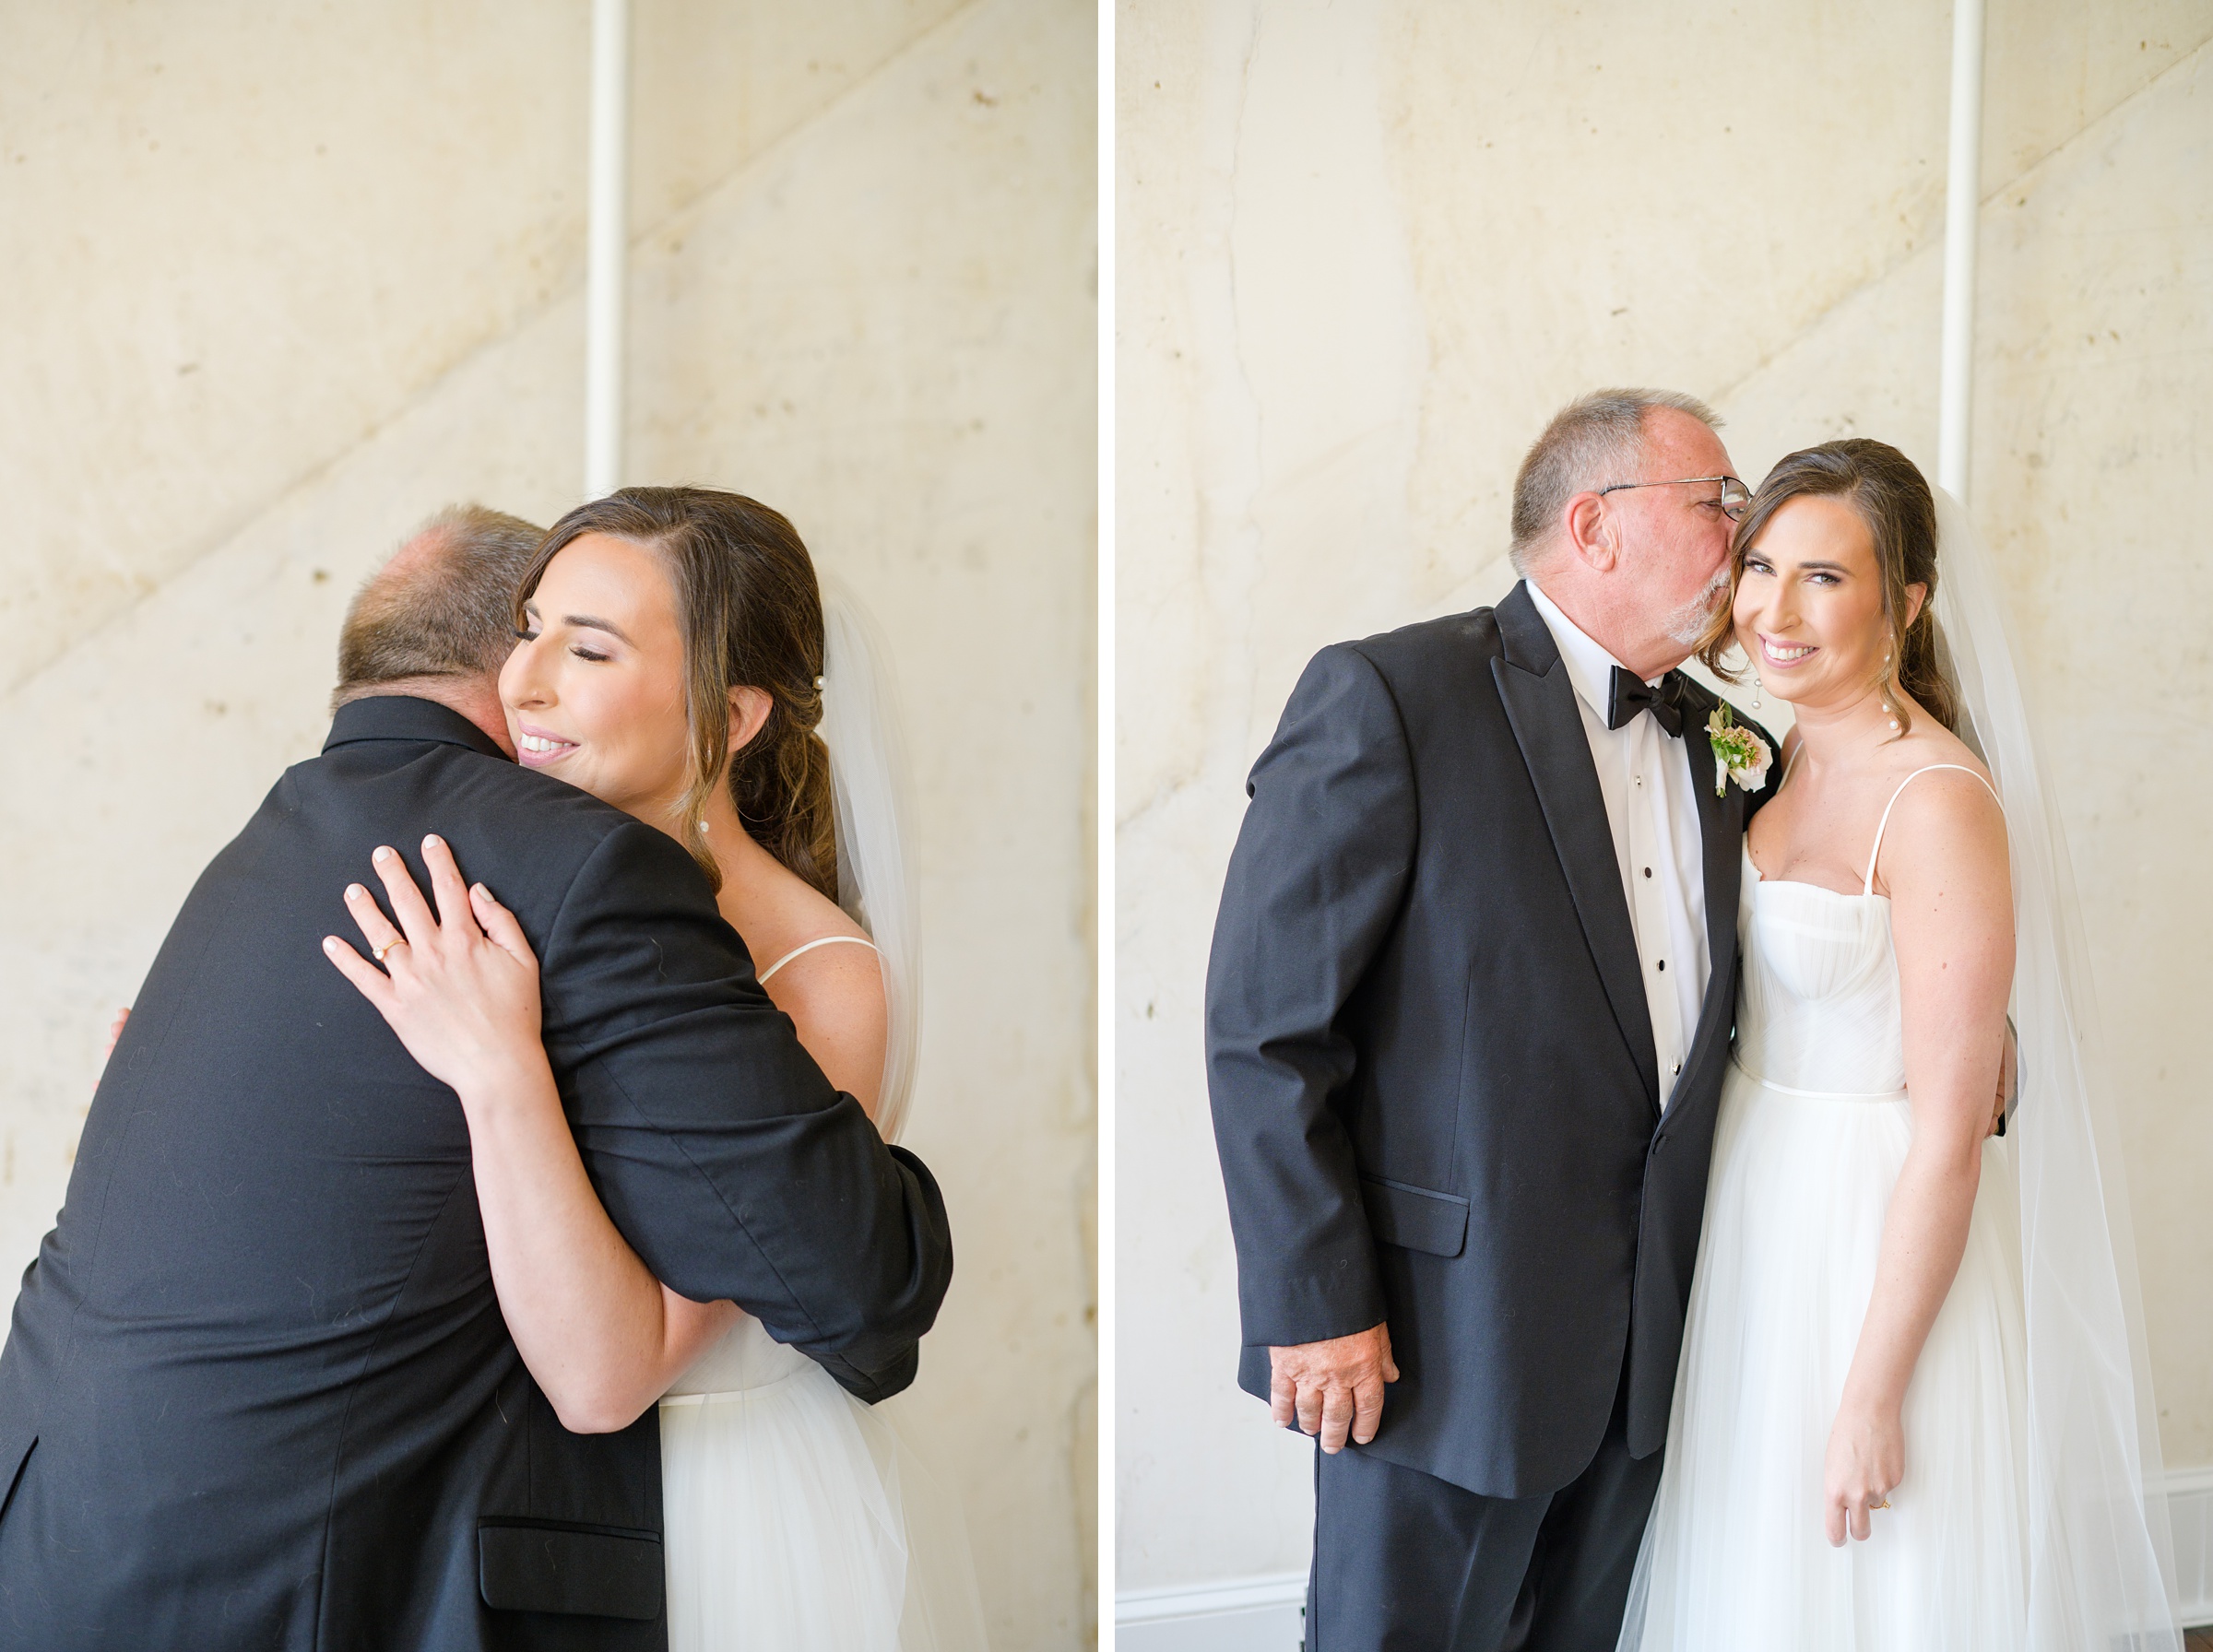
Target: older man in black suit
{"x":257,"y":1392}
{"x":1467,"y":1016}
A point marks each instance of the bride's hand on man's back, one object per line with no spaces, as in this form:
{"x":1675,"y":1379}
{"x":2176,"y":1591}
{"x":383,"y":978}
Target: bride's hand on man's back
{"x":459,"y":986}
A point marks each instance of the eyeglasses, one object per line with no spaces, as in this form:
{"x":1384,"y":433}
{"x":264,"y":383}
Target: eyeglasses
{"x":1735,"y":496}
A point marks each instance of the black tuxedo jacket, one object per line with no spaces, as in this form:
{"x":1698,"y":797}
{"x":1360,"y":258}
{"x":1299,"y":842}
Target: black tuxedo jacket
{"x":258,"y":1393}
{"x":1430,"y":1060}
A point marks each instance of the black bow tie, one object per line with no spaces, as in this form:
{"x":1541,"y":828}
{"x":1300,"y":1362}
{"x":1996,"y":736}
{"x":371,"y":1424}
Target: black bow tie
{"x":1626,"y":695}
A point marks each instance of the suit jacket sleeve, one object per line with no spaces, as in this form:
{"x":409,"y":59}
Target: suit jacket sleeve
{"x":1316,"y":881}
{"x":720,"y":1150}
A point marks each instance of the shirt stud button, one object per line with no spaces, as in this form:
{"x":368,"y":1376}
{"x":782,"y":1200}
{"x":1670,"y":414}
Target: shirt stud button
{"x":1664,"y":963}
{"x":1647,"y":871}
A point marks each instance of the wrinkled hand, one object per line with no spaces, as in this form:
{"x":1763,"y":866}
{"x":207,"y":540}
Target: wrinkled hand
{"x":1331,"y":1389}
{"x":459,"y":986}
{"x":1867,"y":1460}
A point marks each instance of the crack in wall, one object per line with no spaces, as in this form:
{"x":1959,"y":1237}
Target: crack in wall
{"x":242,"y":523}
{"x":1989,"y":198}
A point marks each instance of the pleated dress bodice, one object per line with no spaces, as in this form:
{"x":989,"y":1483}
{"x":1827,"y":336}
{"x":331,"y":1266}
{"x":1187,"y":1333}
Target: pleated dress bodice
{"x":1819,"y":1006}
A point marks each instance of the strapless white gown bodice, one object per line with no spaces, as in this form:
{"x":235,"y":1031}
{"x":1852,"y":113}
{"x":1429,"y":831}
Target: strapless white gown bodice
{"x":1813,"y":1128}
{"x":797,"y":1520}
{"x":1817,"y":1006}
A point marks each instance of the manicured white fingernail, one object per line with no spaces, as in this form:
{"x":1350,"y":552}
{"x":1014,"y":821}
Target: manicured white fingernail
{"x":431,"y":842}
{"x":381,"y":854}
{"x":354,"y":892}
{"x":330,"y":943}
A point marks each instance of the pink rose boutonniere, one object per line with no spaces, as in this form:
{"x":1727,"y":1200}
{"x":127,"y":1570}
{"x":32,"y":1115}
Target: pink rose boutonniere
{"x":1738,"y":753}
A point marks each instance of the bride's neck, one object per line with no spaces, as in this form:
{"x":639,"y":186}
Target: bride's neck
{"x":747,"y":868}
{"x":1825,"y":731}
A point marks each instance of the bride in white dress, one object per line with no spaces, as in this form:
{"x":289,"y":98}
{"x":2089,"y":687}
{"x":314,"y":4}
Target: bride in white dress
{"x":1867,"y":1450}
{"x":796,"y":1518}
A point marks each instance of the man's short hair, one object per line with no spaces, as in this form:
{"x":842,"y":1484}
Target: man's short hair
{"x":444,"y":605}
{"x":1594,"y":442}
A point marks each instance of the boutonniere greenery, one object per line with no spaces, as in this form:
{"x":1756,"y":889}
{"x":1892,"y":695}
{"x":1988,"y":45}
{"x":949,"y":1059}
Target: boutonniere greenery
{"x":1738,"y":753}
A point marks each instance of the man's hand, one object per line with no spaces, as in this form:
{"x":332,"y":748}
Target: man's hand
{"x":1328,"y":1388}
{"x":115,"y":1029}
{"x":2009,"y":1062}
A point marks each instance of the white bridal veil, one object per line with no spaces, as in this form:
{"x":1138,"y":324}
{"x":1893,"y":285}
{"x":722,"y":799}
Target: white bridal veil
{"x":2099,"y":1558}
{"x":875,"y":859}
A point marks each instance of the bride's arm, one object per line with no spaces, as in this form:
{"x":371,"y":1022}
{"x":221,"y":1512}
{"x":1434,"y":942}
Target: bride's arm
{"x":1951,"y":906}
{"x":602,"y":1336}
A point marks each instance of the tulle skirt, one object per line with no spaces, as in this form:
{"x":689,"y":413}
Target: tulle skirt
{"x":1735,"y":1557}
{"x":797,"y":1520}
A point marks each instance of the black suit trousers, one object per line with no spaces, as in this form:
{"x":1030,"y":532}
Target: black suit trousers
{"x":1404,"y":1562}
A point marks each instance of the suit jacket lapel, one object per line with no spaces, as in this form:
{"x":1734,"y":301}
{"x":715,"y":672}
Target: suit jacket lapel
{"x":1721,"y":835}
{"x":1540,"y":704}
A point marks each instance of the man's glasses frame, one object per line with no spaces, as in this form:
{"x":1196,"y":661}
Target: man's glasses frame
{"x":1735,"y":496}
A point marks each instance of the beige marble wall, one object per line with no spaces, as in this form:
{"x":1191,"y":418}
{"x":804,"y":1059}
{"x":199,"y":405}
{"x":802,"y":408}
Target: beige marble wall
{"x":1366,"y":250}
{"x":285,"y":280}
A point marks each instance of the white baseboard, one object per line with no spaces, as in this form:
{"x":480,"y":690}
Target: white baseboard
{"x":1268,"y":1614}
{"x":1241,"y":1614}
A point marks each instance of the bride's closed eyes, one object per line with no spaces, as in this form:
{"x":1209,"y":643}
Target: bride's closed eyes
{"x":583,"y":651}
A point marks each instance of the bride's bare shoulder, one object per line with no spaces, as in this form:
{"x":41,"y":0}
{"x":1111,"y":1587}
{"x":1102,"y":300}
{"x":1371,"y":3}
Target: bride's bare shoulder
{"x":1946,"y":828}
{"x":818,"y":969}
{"x":834,"y":996}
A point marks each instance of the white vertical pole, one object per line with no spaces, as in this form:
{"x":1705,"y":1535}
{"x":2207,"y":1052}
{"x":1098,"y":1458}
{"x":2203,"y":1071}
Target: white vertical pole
{"x":610,"y":248}
{"x":1962,"y":197}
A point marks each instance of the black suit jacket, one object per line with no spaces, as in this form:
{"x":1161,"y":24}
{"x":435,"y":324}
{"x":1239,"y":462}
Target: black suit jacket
{"x":1430,"y":1060}
{"x":258,"y":1393}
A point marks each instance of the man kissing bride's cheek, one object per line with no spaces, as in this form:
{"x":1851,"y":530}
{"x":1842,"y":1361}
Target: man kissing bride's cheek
{"x":1612,"y":1101}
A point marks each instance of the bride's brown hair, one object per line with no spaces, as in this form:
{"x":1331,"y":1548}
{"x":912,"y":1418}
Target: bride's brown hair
{"x":751,"y":614}
{"x":1892,"y":498}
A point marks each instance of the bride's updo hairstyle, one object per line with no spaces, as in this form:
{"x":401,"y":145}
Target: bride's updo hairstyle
{"x":1893,"y":499}
{"x":751,"y":614}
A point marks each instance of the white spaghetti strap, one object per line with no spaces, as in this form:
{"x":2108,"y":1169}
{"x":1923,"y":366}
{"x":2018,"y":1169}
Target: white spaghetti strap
{"x":827,"y":940}
{"x":1883,"y":825}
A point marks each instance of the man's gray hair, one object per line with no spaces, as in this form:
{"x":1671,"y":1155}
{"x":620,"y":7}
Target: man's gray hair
{"x":1594,"y":442}
{"x":444,"y":605}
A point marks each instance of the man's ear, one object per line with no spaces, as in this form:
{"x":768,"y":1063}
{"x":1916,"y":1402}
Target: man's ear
{"x":749,"y":711}
{"x":1589,"y":532}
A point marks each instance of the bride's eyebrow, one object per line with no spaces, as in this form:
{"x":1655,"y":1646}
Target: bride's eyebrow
{"x":587,"y":622}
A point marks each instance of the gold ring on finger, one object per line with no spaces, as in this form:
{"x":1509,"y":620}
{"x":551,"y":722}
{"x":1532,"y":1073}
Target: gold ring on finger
{"x":1884,"y":1503}
{"x":378,"y":953}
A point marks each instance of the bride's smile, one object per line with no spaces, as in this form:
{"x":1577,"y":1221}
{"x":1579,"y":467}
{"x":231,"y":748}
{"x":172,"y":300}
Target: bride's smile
{"x":535,"y":748}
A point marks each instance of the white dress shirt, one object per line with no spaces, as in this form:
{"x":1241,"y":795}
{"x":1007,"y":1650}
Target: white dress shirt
{"x":1645,"y":778}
